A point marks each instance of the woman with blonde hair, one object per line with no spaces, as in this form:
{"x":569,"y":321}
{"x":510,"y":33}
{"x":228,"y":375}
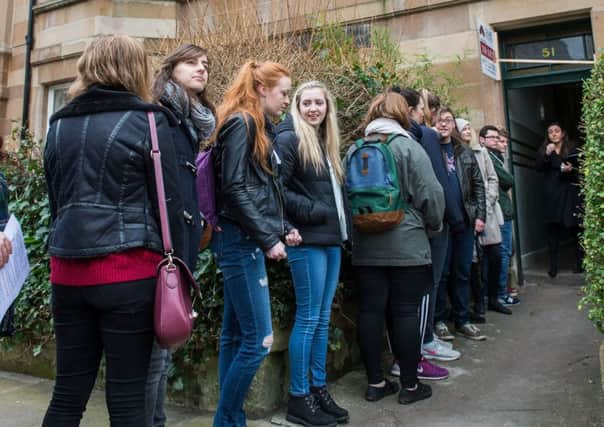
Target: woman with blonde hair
{"x":308,"y":141}
{"x":251,"y":216}
{"x":105,"y":238}
{"x":393,"y":268}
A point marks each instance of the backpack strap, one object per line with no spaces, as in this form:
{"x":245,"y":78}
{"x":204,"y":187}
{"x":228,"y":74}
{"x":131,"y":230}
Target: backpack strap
{"x":387,"y":140}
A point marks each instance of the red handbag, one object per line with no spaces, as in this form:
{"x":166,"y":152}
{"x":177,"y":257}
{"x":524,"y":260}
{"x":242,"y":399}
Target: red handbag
{"x":174,"y":316}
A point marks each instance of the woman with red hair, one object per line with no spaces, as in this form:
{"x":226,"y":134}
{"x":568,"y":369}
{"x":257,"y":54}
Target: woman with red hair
{"x":251,"y":218}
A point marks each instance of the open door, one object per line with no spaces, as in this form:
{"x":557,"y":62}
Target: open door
{"x":530,"y":111}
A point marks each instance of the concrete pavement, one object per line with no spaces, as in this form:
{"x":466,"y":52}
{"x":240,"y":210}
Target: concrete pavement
{"x":539,"y":367}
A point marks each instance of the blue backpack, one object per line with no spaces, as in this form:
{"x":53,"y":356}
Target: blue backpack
{"x":373,"y":186}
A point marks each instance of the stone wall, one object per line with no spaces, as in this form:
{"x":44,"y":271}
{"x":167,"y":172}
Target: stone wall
{"x":62,"y":29}
{"x":445,"y":29}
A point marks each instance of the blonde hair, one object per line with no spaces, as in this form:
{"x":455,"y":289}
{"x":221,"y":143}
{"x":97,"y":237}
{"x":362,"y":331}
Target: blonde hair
{"x":329,"y":131}
{"x":242,"y":96}
{"x":113,"y":61}
{"x":474,"y":141}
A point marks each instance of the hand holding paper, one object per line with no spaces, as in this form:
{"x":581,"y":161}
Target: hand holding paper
{"x":16,"y":268}
{"x":6,"y":248}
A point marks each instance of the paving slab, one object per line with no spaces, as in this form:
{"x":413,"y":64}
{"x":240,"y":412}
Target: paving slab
{"x":538,"y":367}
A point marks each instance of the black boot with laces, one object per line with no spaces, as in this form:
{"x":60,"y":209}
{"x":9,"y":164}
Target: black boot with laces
{"x":329,"y":405}
{"x":305,"y":410}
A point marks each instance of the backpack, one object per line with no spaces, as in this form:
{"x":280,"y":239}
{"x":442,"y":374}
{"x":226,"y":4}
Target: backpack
{"x":205,"y":186}
{"x":373,"y":186}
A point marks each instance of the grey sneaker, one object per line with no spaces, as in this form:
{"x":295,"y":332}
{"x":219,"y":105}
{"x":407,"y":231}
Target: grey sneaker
{"x":442,"y":332}
{"x":447,"y":344}
{"x":470,"y":331}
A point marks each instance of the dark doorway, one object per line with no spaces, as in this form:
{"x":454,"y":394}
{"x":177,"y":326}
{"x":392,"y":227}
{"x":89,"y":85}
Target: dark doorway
{"x":530,"y":111}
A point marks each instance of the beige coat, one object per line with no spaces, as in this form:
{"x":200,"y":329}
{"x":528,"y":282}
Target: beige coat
{"x":492,"y":232}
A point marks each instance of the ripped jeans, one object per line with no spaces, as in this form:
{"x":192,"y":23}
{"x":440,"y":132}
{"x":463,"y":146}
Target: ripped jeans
{"x":246,"y":328}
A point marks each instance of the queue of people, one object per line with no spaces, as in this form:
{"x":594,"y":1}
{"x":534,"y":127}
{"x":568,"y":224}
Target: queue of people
{"x":423,"y":199}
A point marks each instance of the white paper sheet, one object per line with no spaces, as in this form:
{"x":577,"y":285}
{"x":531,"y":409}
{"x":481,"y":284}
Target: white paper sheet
{"x":14,"y":273}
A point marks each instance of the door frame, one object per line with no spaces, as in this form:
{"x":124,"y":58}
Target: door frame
{"x":572,"y":74}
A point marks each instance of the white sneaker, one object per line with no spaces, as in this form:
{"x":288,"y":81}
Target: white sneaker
{"x":445,"y":344}
{"x":436,"y":351}
{"x":395,"y":370}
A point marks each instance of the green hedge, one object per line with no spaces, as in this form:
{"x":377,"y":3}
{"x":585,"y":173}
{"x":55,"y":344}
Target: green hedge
{"x":593,"y":190}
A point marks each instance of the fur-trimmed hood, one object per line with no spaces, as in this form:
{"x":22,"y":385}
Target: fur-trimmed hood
{"x":102,"y":99}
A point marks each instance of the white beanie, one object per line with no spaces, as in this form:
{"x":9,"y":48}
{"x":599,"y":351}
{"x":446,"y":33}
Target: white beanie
{"x":461,"y":123}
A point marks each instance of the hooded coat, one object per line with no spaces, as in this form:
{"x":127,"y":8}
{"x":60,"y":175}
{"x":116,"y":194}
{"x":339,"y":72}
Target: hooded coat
{"x":407,"y":244}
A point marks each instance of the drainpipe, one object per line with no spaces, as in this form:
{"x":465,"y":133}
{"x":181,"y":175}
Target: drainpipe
{"x":29,"y":42}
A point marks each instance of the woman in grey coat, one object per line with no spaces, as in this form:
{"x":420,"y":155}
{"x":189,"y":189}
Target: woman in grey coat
{"x":393,"y":268}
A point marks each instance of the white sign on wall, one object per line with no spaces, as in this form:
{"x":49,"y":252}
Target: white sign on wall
{"x":488,"y":51}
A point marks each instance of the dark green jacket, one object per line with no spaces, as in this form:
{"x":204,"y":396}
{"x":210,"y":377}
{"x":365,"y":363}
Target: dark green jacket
{"x":506,"y":182}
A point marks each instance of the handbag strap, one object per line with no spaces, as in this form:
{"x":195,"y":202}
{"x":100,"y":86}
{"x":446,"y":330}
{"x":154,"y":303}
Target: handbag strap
{"x":159,"y":186}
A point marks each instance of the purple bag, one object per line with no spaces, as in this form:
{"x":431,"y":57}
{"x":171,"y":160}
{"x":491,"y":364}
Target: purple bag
{"x":205,"y":186}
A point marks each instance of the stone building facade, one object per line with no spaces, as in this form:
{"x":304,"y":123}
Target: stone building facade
{"x":525,"y":97}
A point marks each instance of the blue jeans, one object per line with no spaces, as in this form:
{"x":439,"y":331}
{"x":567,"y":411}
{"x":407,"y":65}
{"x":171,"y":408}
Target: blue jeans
{"x":155,"y":394}
{"x":458,"y":265}
{"x":506,"y":255}
{"x":315,"y":271}
{"x":438,"y":248}
{"x":247,"y":333}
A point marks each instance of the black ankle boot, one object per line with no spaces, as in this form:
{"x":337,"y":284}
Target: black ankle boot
{"x":305,"y":410}
{"x":328,"y":405}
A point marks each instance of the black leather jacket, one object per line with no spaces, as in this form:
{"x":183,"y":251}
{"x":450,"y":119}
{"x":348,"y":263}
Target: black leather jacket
{"x":247,"y":194}
{"x":309,"y":199}
{"x":99,"y":174}
{"x":472,"y":185}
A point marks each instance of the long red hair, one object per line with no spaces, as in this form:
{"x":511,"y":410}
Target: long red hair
{"x":242,"y":96}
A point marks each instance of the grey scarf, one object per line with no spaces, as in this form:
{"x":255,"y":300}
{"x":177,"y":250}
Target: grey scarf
{"x":199,"y":118}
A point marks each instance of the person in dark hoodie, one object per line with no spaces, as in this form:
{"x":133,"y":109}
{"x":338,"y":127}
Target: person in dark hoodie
{"x":432,"y":346}
{"x":467,"y":200}
{"x":308,"y":141}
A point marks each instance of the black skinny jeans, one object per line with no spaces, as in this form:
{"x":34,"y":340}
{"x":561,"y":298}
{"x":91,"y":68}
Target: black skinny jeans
{"x":116,"y":319}
{"x":397,"y":292}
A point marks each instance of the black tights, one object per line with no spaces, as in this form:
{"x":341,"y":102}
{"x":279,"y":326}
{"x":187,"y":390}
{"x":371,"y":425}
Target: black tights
{"x":397,"y":291}
{"x":554,"y":232}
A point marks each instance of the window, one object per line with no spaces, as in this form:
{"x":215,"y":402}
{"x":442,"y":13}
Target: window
{"x":361,"y":34}
{"x":579,"y":47}
{"x":57,"y":98}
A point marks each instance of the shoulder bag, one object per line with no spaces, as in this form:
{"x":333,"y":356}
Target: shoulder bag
{"x":173,"y":311}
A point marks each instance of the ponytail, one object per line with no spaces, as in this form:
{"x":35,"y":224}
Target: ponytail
{"x":242,"y":96}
